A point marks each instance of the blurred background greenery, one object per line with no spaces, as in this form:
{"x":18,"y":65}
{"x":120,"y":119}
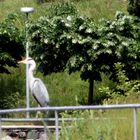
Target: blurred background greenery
{"x":63,"y":89}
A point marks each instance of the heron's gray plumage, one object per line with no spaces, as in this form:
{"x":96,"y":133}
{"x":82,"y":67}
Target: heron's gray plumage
{"x":40,"y":92}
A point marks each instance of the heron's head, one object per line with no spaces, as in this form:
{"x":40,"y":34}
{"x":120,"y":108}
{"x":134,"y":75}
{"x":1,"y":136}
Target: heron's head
{"x":28,"y":60}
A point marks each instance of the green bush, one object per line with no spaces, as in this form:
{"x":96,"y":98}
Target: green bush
{"x":126,"y":91}
{"x":134,"y":7}
{"x":11,"y":43}
{"x":12,"y":89}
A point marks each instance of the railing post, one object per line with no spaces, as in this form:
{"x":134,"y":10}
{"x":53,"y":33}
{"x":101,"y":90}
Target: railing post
{"x":0,"y":128}
{"x":56,"y":125}
{"x":135,"y":123}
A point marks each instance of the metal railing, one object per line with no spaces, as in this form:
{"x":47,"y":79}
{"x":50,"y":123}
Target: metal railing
{"x":56,"y":110}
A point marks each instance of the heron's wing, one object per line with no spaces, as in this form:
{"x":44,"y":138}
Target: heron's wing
{"x":40,"y":92}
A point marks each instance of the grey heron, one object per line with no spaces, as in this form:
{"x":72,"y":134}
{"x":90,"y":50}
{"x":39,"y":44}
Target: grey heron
{"x":37,"y":87}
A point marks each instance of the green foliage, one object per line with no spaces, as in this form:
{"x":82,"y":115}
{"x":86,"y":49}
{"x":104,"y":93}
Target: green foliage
{"x":60,"y":37}
{"x":12,"y":87}
{"x":63,"y":40}
{"x":119,"y":42}
{"x":125,"y":85}
{"x":134,"y":7}
{"x":73,"y":42}
{"x":81,"y":39}
{"x":126,"y":91}
{"x":11,"y":47}
{"x":65,"y":89}
{"x":62,"y":9}
{"x":113,"y":41}
{"x":96,"y":125}
{"x":47,"y":40}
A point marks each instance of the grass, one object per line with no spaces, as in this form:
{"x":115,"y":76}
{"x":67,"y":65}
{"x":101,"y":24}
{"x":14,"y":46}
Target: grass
{"x":8,"y":6}
{"x":97,"y":9}
{"x":94,"y":9}
{"x":101,"y":125}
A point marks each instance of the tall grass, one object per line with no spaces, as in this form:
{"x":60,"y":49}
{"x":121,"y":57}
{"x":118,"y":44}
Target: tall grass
{"x":65,"y":89}
{"x":100,"y":125}
{"x":12,"y":87}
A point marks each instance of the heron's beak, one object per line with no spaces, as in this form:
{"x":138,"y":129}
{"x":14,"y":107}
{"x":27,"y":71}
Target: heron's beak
{"x":23,"y":61}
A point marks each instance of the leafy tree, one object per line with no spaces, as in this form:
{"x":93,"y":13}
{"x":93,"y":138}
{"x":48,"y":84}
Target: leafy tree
{"x":57,"y":38}
{"x":11,"y":47}
{"x":82,"y":39}
{"x":67,"y":40}
{"x":119,"y":42}
{"x":134,"y":7}
{"x":113,"y":41}
{"x":48,"y":38}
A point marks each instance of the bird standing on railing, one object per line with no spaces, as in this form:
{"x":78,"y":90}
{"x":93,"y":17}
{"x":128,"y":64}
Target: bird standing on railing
{"x":37,"y":87}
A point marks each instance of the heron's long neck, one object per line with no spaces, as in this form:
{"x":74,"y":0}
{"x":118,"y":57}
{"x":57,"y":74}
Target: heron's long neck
{"x":31,"y":71}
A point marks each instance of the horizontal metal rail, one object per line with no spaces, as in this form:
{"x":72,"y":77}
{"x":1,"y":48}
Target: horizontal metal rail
{"x":50,"y":119}
{"x":36,"y":119}
{"x":63,"y":108}
{"x":27,"y":127}
{"x":56,"y":110}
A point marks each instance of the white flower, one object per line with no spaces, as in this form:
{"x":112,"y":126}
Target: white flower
{"x":69,"y":18}
{"x":45,"y":41}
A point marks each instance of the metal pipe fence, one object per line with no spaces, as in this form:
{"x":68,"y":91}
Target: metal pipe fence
{"x":57,"y":109}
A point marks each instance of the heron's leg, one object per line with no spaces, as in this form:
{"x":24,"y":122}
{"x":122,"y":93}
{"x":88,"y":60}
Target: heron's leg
{"x":46,"y":129}
{"x":38,"y":114}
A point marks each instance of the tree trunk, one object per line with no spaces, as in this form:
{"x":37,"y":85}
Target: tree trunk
{"x":91,"y":91}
